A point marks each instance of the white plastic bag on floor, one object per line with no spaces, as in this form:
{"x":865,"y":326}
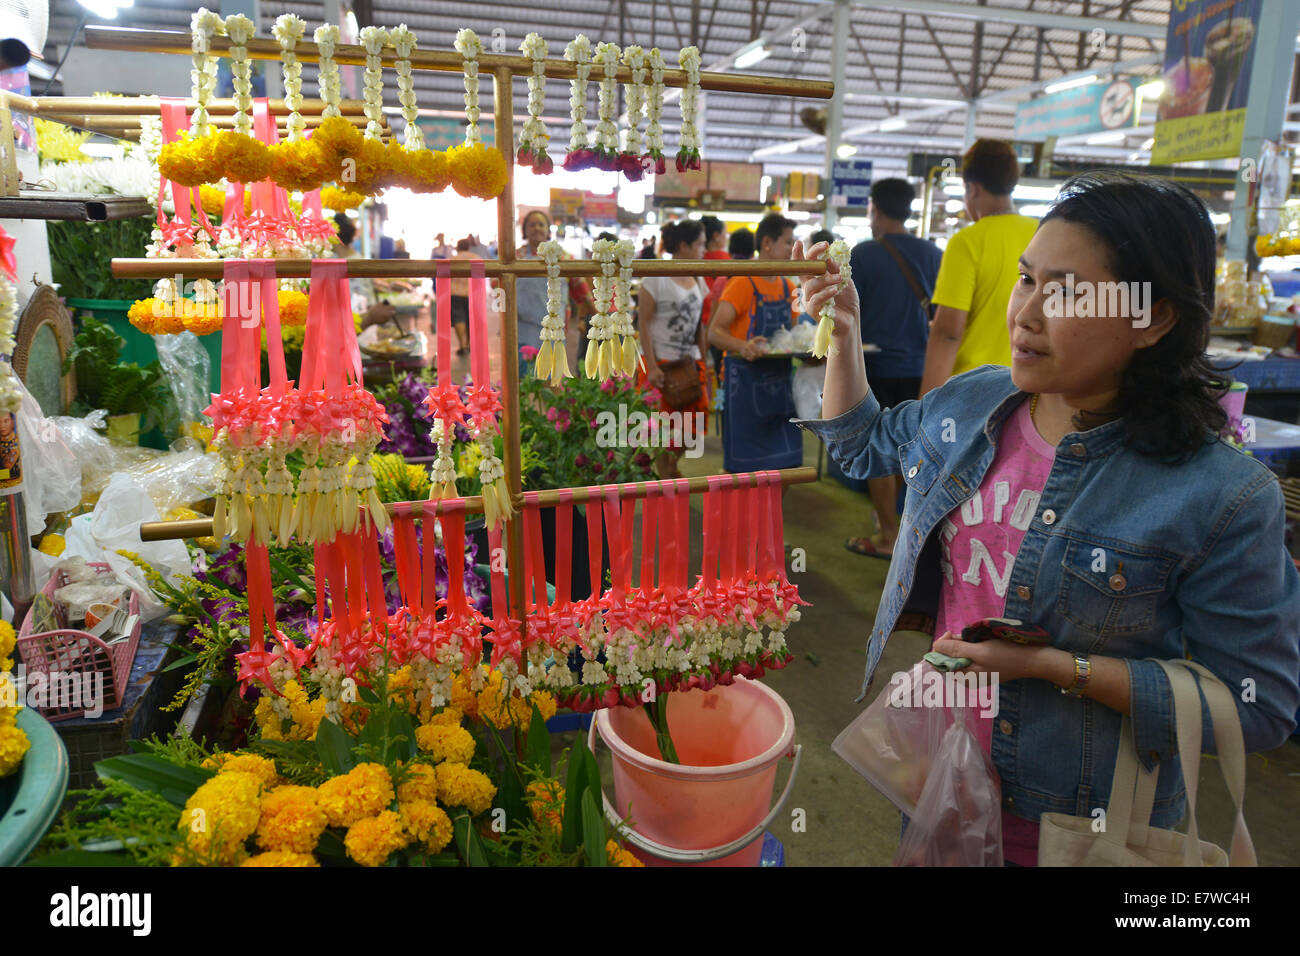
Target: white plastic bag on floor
{"x":809,"y":380}
{"x":51,"y":472}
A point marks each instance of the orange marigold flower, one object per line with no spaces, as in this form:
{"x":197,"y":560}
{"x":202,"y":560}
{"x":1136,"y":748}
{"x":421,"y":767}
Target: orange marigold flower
{"x":421,"y":784}
{"x":281,"y":858}
{"x":293,"y":307}
{"x":190,"y":162}
{"x":291,"y":820}
{"x":364,"y":791}
{"x":477,"y":170}
{"x":427,"y":171}
{"x":619,"y":856}
{"x":213,"y":199}
{"x":370,"y":841}
{"x":243,"y":159}
{"x":340,"y":200}
{"x":299,"y":165}
{"x":426,"y":821}
{"x":336,"y":139}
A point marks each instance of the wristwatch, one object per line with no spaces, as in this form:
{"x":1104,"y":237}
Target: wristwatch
{"x":1082,"y":675}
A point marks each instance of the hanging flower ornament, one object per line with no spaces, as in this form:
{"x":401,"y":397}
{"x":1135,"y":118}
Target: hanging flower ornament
{"x":240,"y":30}
{"x":476,"y":169}
{"x":599,"y":363}
{"x":328,"y":80}
{"x":654,"y":131}
{"x":627,"y":349}
{"x":688,"y":151}
{"x":634,"y":59}
{"x":204,"y":25}
{"x":607,"y":58}
{"x":11,"y":395}
{"x":533,"y":137}
{"x":580,"y":155}
{"x":374,"y":39}
{"x":552,"y":358}
{"x":838,"y":253}
{"x":443,"y":472}
{"x":288,"y":31}
{"x":403,"y":41}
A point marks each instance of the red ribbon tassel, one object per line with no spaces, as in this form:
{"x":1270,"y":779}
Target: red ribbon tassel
{"x":442,"y":296}
{"x":478,"y":333}
{"x":407,"y":557}
{"x":430,"y":563}
{"x":564,"y":549}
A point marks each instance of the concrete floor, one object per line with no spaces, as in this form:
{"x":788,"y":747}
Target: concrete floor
{"x":848,"y":822}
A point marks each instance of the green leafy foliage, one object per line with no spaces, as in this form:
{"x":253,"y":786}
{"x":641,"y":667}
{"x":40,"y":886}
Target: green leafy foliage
{"x":81,"y":254}
{"x":104,"y":382}
{"x":117,"y":824}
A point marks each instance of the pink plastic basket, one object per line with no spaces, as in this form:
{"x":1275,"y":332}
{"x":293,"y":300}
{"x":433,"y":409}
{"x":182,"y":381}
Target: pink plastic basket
{"x":68,"y":659}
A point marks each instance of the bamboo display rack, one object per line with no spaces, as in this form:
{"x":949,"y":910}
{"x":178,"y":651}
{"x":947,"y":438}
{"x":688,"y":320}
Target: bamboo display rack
{"x":506,"y":268}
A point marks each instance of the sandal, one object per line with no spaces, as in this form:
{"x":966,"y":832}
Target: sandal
{"x":868,"y":547}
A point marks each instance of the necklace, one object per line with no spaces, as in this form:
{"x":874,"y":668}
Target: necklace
{"x":1033,"y":406}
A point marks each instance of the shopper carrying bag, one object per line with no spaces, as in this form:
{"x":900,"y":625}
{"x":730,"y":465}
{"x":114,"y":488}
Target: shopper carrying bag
{"x":1085,"y":494}
{"x":1127,"y":839}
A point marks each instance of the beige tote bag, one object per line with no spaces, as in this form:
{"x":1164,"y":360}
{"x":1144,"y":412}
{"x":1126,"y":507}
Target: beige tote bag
{"x":1128,"y":839}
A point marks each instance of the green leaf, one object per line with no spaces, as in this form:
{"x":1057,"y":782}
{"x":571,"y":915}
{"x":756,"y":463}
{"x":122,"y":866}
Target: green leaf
{"x":368,"y":695}
{"x":538,"y":748}
{"x":575,"y":784}
{"x":80,"y":858}
{"x":154,"y":775}
{"x":593,"y":831}
{"x":181,"y":662}
{"x":335,"y":748}
{"x":331,"y":845}
{"x":467,"y":838}
{"x":401,"y":726}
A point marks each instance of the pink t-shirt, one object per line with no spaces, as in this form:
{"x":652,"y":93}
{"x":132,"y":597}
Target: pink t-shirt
{"x":979,"y":542}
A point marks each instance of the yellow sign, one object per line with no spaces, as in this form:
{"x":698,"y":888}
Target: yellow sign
{"x":1205,"y":136}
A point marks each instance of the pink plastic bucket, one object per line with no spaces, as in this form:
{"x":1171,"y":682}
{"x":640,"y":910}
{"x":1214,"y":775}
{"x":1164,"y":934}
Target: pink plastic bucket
{"x":730,"y":740}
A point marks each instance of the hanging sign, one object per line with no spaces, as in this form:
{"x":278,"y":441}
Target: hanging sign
{"x":1209,"y":53}
{"x":1094,"y":108}
{"x":850,"y":183}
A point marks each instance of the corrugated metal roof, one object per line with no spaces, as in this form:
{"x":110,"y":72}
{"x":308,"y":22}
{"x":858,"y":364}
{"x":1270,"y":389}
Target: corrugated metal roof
{"x":888,"y":50}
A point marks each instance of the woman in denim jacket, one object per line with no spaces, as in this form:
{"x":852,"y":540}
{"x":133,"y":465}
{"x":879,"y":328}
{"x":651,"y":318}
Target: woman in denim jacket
{"x":1084,"y":490}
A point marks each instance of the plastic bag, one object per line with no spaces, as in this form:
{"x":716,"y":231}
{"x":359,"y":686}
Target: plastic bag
{"x":98,"y":457}
{"x":177,"y":479}
{"x":187,"y":365}
{"x":51,"y":473}
{"x":892,"y":742}
{"x":958,"y":819}
{"x":809,"y":380}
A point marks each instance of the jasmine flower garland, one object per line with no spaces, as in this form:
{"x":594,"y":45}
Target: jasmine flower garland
{"x":634,"y":59}
{"x":688,"y":150}
{"x":11,"y":396}
{"x":627,"y":351}
{"x":607,"y":57}
{"x":654,"y":132}
{"x":240,"y":29}
{"x":443,"y":473}
{"x":838,"y":254}
{"x":204,"y":25}
{"x":469,"y":46}
{"x":552,"y":358}
{"x":328,"y":81}
{"x":533,"y":137}
{"x":578,"y":52}
{"x":403,"y":41}
{"x":374,"y":40}
{"x":599,"y":362}
{"x":288,"y":30}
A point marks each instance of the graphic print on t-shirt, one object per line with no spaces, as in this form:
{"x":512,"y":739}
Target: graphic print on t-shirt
{"x":997,"y":529}
{"x":684,"y":319}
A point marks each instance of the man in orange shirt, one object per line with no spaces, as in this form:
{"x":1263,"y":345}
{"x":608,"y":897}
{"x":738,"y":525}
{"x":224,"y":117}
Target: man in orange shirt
{"x":758,"y":402}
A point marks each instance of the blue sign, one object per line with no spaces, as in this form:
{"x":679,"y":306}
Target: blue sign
{"x":1094,"y":108}
{"x":444,"y":133}
{"x":850,"y":183}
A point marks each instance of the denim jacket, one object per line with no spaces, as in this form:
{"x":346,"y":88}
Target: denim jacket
{"x":1205,"y":573}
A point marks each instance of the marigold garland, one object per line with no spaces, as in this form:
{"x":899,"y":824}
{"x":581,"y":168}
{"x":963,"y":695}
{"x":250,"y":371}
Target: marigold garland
{"x":477,"y":170}
{"x":293,"y":307}
{"x":341,"y":200}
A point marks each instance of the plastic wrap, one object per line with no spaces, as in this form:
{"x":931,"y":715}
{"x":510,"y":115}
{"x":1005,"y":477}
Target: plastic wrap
{"x":51,"y":474}
{"x":187,"y":365}
{"x":176,"y":479}
{"x":809,"y":380}
{"x":98,"y":457}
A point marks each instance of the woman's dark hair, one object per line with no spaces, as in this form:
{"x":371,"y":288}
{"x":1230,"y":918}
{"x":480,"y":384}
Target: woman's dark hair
{"x":681,"y":233}
{"x":347,"y":231}
{"x":993,"y":164}
{"x":712,"y":226}
{"x":1157,"y":231}
{"x":608,"y":236}
{"x":741,"y":244}
{"x":523,"y":223}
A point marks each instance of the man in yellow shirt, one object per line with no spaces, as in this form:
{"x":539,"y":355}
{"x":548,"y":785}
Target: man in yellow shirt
{"x":979,"y":269}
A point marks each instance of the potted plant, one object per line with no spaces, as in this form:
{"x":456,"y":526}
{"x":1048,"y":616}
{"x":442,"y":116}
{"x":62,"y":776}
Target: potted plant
{"x":127,"y":391}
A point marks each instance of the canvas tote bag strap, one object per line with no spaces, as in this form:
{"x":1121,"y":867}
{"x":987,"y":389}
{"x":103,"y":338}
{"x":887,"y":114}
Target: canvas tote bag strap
{"x":1120,"y":809}
{"x":1231,"y":751}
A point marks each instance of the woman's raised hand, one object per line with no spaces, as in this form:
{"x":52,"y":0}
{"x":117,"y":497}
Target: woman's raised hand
{"x":819,"y":290}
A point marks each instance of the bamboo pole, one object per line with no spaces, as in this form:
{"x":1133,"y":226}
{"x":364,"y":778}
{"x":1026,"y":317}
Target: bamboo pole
{"x":135,"y":105}
{"x":629,"y":491}
{"x":460,"y":268}
{"x":178,"y":42}
{"x":125,"y":121}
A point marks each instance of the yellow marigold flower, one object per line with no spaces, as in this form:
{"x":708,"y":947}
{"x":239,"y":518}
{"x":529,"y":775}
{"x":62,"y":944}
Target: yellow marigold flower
{"x":299,"y":166}
{"x":448,"y":715}
{"x":362,"y":792}
{"x":427,"y":822}
{"x":619,"y":856}
{"x":203,"y":320}
{"x":242,"y":158}
{"x":13,"y":745}
{"x":421,"y":784}
{"x":427,"y":171}
{"x":155,"y":317}
{"x":459,"y":786}
{"x":340,"y":200}
{"x":463,"y":697}
{"x":291,"y":820}
{"x":544,"y":798}
{"x":336,"y":139}
{"x":213,"y":199}
{"x":258,"y":766}
{"x":281,"y":858}
{"x":293,"y":307}
{"x":220,"y":816}
{"x":445,"y":742}
{"x":190,"y":162}
{"x":53,"y":545}
{"x":545,"y":702}
{"x":371,"y":840}
{"x":374,"y":170}
{"x":477,"y":170}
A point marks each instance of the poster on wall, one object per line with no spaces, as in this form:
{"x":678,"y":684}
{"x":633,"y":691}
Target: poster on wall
{"x":1270,"y":190}
{"x":1209,"y":53}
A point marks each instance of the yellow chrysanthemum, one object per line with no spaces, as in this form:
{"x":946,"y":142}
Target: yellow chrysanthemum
{"x":445,"y":742}
{"x":371,"y":840}
{"x":619,"y":856}
{"x":281,"y":858}
{"x":242,"y":158}
{"x":13,"y":745}
{"x":340,"y":200}
{"x":362,"y":792}
{"x":421,"y":784}
{"x":477,"y":170}
{"x":427,"y":822}
{"x":427,"y":171}
{"x":293,"y":307}
{"x":220,"y":815}
{"x":291,"y":820}
{"x":298,"y":165}
{"x":459,"y":786}
{"x":213,"y":199}
{"x":190,"y":162}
